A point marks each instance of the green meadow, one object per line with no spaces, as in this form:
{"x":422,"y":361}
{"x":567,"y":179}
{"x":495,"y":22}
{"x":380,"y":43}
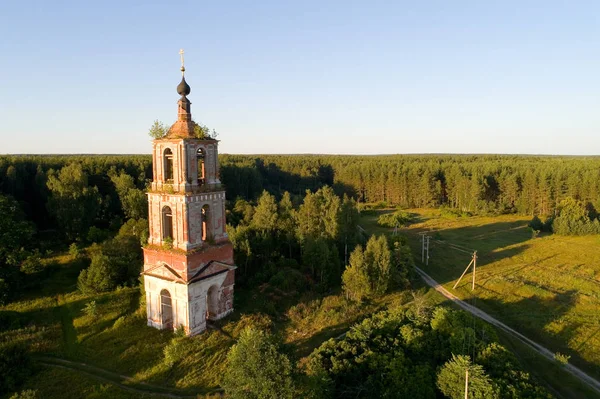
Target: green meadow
{"x":112,"y":345}
{"x":546,"y":287}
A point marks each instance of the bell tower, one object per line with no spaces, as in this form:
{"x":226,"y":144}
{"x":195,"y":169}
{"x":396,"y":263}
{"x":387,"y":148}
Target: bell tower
{"x":188,"y":261}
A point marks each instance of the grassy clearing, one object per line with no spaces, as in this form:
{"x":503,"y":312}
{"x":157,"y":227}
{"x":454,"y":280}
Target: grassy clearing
{"x":548,"y":287}
{"x":53,"y":320}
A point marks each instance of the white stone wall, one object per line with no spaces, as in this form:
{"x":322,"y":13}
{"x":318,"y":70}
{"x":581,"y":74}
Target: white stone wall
{"x":179,"y":301}
{"x":189,"y":302}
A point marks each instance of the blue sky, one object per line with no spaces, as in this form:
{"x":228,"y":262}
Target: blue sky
{"x":305,"y":76}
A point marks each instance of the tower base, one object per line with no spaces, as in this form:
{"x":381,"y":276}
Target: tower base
{"x":172,"y":303}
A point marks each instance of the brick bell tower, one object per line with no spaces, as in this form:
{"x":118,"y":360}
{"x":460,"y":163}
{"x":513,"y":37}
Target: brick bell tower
{"x":188,"y":262}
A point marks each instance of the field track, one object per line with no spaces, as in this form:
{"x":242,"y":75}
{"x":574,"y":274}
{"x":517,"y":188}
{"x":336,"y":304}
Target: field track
{"x":589,"y":381}
{"x":122,"y":381}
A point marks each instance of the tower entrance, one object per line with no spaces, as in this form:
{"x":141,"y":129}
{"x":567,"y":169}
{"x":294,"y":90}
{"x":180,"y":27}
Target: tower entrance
{"x":166,"y":310}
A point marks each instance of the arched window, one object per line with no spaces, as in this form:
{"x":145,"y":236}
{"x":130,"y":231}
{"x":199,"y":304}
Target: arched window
{"x":167,"y":223}
{"x":166,"y":310}
{"x":168,"y":164}
{"x":212,"y":303}
{"x":205,"y":223}
{"x":200,"y":161}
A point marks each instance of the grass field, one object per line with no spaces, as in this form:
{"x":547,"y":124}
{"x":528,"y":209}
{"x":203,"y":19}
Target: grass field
{"x":547,"y":288}
{"x":53,"y":321}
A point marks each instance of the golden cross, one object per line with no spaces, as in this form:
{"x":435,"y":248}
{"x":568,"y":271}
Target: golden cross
{"x":182,"y":67}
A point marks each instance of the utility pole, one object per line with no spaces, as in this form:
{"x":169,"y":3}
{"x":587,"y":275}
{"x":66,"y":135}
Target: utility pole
{"x":425,"y":248}
{"x":422,"y":247}
{"x":474,"y":263}
{"x":427,"y":251}
{"x":474,"y":267}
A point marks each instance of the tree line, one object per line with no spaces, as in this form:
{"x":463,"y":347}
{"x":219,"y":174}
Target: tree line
{"x":528,"y":185}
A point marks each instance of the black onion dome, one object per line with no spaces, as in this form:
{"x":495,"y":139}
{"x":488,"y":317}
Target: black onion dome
{"x":183,"y":89}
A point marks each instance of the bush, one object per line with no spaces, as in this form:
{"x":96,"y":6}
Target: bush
{"x":175,"y":350}
{"x":289,"y":280}
{"x":116,"y":262}
{"x":256,"y":369}
{"x":26,"y":394}
{"x":99,"y":277}
{"x":10,"y":320}
{"x":536,"y":224}
{"x":574,"y":218}
{"x":15,"y":366}
{"x":4,"y":292}
{"x":33,"y":264}
{"x":90,"y":308}
{"x":562,"y":359}
{"x":399,"y":218}
{"x":451,"y":213}
{"x":97,"y":235}
{"x":451,"y":379}
{"x":121,"y":321}
{"x":74,"y":251}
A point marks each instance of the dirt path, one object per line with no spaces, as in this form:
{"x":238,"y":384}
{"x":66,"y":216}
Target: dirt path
{"x":122,"y":381}
{"x":589,"y":381}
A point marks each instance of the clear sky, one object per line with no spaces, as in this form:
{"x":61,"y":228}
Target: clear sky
{"x":353,"y":77}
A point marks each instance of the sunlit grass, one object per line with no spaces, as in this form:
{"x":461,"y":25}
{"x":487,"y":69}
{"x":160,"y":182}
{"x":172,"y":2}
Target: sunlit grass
{"x":546,"y":287}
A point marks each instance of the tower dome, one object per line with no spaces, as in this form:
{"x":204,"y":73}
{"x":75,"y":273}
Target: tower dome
{"x":183,"y":89}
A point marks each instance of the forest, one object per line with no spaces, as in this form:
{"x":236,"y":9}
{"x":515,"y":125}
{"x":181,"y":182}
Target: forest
{"x":293,"y":221}
{"x":527,"y":185}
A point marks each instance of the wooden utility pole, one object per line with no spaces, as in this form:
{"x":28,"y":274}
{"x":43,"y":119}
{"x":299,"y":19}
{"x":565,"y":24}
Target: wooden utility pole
{"x":425,"y":248}
{"x":422,"y":247}
{"x":474,"y":263}
{"x":467,"y":384}
{"x":474,"y":267}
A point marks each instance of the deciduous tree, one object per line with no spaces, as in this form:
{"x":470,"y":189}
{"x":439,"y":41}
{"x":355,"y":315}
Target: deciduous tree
{"x":257,"y":370}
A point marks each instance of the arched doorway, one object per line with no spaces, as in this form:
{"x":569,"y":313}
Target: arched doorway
{"x":212,"y":303}
{"x":166,"y":310}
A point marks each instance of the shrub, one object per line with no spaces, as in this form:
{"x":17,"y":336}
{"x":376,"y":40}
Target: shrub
{"x":26,"y":394}
{"x":33,"y":264}
{"x":175,"y":350}
{"x":90,"y":308}
{"x":121,"y":321}
{"x":536,"y":224}
{"x":10,"y":320}
{"x":562,"y":359}
{"x":450,"y":213}
{"x":97,"y":235}
{"x":99,"y":277}
{"x":168,"y":243}
{"x":289,"y":280}
{"x":4,"y":292}
{"x":15,"y":366}
{"x":116,"y":262}
{"x":574,"y":218}
{"x":74,"y":251}
{"x":399,"y":218}
{"x":256,"y":369}
{"x":451,"y":379}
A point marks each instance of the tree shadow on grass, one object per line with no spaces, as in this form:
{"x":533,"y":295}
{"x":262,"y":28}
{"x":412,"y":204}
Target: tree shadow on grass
{"x":303,"y":347}
{"x":533,"y":316}
{"x":484,"y":238}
